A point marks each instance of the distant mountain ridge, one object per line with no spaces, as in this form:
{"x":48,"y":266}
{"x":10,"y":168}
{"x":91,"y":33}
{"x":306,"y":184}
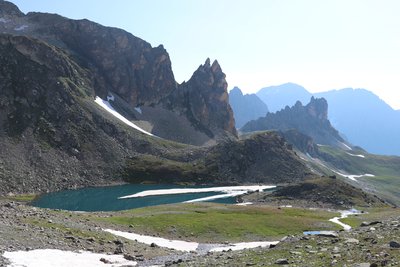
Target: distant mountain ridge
{"x":362,"y":117}
{"x":278,"y":97}
{"x":311,"y":120}
{"x":246,"y":107}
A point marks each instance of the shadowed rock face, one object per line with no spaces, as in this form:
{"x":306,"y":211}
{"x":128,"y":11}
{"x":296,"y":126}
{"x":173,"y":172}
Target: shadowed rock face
{"x":246,"y":107}
{"x":204,"y":99}
{"x":129,"y":67}
{"x":9,"y":9}
{"x":124,"y":64}
{"x":121,"y":62}
{"x":311,"y":120}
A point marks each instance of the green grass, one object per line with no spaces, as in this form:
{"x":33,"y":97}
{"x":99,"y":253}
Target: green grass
{"x":23,"y":197}
{"x":65,"y":230}
{"x":386,"y":169}
{"x":208,"y":222}
{"x":374,"y":214}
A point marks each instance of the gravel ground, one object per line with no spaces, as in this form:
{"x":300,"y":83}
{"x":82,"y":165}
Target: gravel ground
{"x":23,"y":227}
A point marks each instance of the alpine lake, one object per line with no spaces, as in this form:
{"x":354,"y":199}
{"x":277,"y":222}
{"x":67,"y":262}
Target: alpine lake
{"x":107,"y":198}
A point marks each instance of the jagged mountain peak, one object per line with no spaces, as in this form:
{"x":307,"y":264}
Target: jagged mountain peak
{"x":318,"y":108}
{"x":311,"y":119}
{"x":9,"y":9}
{"x":236,"y":91}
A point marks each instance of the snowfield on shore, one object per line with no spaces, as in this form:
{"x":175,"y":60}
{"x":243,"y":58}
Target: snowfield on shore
{"x":61,"y":258}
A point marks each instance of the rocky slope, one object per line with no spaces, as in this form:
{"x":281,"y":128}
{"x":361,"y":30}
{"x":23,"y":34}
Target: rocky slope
{"x":318,"y":192}
{"x":311,"y":120}
{"x":257,"y":159}
{"x":348,"y":108}
{"x":53,"y":135}
{"x":246,"y":107}
{"x":132,"y":69}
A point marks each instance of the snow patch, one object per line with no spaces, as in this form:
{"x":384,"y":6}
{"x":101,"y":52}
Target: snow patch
{"x":189,"y":246}
{"x":21,"y":28}
{"x":3,"y":20}
{"x":162,"y":242}
{"x":231,"y":194}
{"x":60,"y":258}
{"x":344,"y":214}
{"x":353,"y":176}
{"x":110,"y":97}
{"x":138,"y":109}
{"x":224,"y":189}
{"x":244,"y":204}
{"x":107,"y":106}
{"x":353,"y":155}
{"x":346,"y":146}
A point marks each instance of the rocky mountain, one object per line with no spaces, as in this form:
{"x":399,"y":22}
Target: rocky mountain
{"x":361,"y":116}
{"x":82,"y":104}
{"x":124,"y":65}
{"x":278,"y":97}
{"x":365,"y":120}
{"x":204,"y":100}
{"x":246,"y":107}
{"x":311,"y":120}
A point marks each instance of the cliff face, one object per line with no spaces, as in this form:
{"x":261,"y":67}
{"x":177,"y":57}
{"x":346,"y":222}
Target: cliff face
{"x":246,"y":107}
{"x":205,"y":100}
{"x":123,"y":63}
{"x":311,"y":120}
{"x":129,"y":67}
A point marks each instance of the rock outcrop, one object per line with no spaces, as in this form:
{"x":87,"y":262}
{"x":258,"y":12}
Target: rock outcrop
{"x":311,"y":120}
{"x":246,"y":107}
{"x":205,"y":100}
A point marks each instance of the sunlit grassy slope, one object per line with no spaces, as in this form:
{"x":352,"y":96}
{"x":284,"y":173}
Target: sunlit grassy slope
{"x":386,"y":169}
{"x":208,"y":222}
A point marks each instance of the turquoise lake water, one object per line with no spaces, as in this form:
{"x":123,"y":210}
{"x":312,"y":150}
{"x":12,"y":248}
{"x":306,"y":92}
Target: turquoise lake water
{"x":106,"y":198}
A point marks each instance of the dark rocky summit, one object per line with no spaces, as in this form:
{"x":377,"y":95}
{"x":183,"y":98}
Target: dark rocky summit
{"x":260,"y":158}
{"x":311,"y":120}
{"x":204,"y":99}
{"x":318,"y":192}
{"x":246,"y":107}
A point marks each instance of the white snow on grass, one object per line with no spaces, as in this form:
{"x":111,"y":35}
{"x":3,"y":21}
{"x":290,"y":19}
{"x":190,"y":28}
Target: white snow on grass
{"x":188,"y":246}
{"x":224,"y":189}
{"x":245,"y":245}
{"x":350,"y":176}
{"x":353,"y":155}
{"x":346,"y":146}
{"x":60,"y":258}
{"x":244,"y":204}
{"x":107,"y":106}
{"x":344,"y":214}
{"x":162,"y":242}
{"x":353,"y":176}
{"x":231,"y":194}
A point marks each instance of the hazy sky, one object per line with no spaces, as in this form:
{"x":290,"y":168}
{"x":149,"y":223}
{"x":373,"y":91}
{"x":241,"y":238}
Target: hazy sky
{"x":321,"y":45}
